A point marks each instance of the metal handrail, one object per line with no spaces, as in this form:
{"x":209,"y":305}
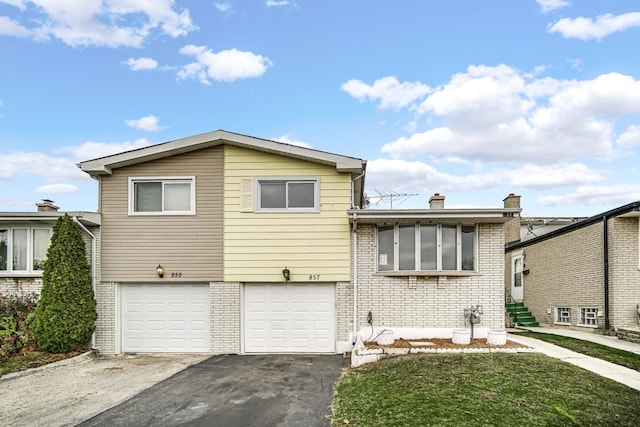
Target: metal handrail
{"x":509,"y":299}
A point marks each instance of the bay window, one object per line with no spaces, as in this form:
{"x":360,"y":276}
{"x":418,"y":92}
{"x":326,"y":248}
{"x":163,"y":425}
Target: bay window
{"x":427,"y":247}
{"x":23,"y":249}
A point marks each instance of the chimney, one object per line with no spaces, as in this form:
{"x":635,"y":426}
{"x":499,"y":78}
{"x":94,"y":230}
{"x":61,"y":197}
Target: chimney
{"x":512,"y":227}
{"x":436,"y":201}
{"x":47,"y":206}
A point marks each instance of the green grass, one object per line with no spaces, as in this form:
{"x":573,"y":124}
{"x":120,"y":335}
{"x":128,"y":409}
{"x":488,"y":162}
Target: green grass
{"x":613,"y":355}
{"x":482,"y":390}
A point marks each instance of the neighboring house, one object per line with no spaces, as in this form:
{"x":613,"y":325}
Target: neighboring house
{"x":416,"y":271}
{"x":532,"y":227}
{"x":225,"y":243}
{"x":25,"y":238}
{"x":585,"y":275}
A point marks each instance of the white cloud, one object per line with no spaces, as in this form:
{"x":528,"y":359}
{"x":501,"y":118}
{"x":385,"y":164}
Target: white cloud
{"x":548,"y":5}
{"x":148,"y":123}
{"x":611,"y":195}
{"x":9,"y":27}
{"x":223,"y":7}
{"x":400,"y":175}
{"x":629,"y":138}
{"x":109,"y":23}
{"x":588,"y":29}
{"x":19,"y":164}
{"x":552,"y":176}
{"x":226,"y":65}
{"x":499,"y":114}
{"x":288,"y":140}
{"x":57,"y":189}
{"x":141,"y":64}
{"x":388,"y":90}
{"x":93,"y":150}
{"x":280,"y":3}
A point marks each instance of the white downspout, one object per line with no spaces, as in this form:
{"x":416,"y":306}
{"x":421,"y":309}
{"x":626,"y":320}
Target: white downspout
{"x":93,"y":268}
{"x":355,"y":278}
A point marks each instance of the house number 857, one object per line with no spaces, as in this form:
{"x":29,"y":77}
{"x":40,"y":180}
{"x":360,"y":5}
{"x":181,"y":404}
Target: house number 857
{"x":314,"y":277}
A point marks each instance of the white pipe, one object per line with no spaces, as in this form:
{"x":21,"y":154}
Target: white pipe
{"x":355,"y":277}
{"x":93,"y":268}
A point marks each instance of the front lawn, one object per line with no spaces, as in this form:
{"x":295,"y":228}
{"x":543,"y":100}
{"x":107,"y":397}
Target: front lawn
{"x":610,"y":354}
{"x":481,"y":389}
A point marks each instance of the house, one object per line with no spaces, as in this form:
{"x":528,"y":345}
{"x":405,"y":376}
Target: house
{"x":584,"y":275}
{"x":225,"y":243}
{"x":418,"y":272}
{"x":25,"y":238}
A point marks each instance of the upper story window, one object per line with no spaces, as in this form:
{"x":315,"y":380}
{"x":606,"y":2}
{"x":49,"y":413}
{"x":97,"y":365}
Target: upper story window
{"x":427,"y":247}
{"x":287,"y":195}
{"x":23,"y":249}
{"x":162,"y":196}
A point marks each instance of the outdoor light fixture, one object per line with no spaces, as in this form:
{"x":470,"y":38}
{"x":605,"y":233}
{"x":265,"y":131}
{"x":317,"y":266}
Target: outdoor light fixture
{"x":287,"y":274}
{"x":160,"y":271}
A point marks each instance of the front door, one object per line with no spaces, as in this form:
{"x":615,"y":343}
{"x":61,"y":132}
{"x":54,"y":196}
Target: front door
{"x":517,"y":291}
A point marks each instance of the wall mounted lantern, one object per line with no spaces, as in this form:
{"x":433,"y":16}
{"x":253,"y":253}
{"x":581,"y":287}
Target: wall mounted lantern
{"x":286,"y":274}
{"x":160,"y":271}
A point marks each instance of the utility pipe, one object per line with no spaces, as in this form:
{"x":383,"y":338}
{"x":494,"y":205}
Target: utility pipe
{"x":93,"y":267}
{"x":355,"y":278}
{"x":605,"y":238}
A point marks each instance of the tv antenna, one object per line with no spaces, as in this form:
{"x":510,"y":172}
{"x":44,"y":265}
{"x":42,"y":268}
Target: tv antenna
{"x":388,"y":196}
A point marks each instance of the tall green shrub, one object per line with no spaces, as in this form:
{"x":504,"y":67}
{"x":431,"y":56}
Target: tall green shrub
{"x":66,"y":314}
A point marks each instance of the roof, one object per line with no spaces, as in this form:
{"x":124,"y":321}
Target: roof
{"x":90,"y":219}
{"x":105,"y":165}
{"x":626,"y":211}
{"x":389,"y":216}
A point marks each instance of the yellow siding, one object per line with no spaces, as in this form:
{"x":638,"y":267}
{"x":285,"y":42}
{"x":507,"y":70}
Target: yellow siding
{"x":258,"y":246}
{"x":132,"y":246}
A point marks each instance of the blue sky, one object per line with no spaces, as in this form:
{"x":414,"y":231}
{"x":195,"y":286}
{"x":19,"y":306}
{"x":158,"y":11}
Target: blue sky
{"x":470,"y":99}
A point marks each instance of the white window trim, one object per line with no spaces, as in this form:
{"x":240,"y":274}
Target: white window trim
{"x":10,"y":272}
{"x":556,"y":317}
{"x":287,"y":179}
{"x":595,"y":316}
{"x":438,"y":271}
{"x":184,"y":179}
{"x":514,"y":258}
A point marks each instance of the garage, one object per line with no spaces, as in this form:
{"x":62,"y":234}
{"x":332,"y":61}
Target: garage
{"x":289,"y":318}
{"x":167,"y":318}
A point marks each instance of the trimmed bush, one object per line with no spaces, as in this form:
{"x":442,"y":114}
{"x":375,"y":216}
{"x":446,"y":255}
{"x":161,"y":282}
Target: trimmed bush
{"x":15,"y":311}
{"x":66,"y":314}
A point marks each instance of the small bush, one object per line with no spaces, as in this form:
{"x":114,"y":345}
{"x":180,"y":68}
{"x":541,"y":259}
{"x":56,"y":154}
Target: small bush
{"x":16,"y":312}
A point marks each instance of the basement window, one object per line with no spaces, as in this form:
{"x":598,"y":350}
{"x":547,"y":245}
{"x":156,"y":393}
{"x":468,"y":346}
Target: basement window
{"x":588,"y":317}
{"x":563,"y":315}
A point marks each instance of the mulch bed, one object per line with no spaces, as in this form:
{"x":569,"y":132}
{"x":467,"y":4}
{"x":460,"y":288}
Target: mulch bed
{"x":441,"y":343}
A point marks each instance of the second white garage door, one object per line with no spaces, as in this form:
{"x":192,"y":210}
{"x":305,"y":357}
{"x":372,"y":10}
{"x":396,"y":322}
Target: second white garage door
{"x":165,"y":318}
{"x":289,"y":318}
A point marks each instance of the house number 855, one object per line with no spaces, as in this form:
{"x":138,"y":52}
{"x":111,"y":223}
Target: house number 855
{"x":176,"y":275}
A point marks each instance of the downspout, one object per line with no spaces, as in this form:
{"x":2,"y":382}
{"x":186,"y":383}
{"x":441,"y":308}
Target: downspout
{"x":606,"y":271}
{"x":355,"y":278}
{"x":93,"y":267}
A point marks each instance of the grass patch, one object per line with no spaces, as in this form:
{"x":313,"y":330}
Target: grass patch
{"x":33,"y":358}
{"x":619,"y":357}
{"x":481,"y":389}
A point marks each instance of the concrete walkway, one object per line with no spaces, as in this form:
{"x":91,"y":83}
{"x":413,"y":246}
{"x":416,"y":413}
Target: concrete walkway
{"x":609,"y":370}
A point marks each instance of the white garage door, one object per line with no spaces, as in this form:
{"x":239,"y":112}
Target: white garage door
{"x":165,"y":318}
{"x":289,"y":318}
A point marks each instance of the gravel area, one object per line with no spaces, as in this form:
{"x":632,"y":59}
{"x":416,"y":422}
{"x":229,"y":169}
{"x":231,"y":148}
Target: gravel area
{"x":68,"y":392}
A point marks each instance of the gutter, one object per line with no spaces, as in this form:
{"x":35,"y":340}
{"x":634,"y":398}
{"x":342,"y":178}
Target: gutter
{"x":93,"y":267}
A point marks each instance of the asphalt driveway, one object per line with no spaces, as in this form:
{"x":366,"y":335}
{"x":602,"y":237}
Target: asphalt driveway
{"x":261,"y":390}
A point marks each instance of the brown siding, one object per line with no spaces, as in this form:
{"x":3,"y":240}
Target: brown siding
{"x":132,"y":246}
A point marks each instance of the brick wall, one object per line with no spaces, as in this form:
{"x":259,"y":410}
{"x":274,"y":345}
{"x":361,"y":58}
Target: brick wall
{"x":106,"y":322}
{"x":20,"y":285}
{"x":432,"y":302}
{"x":225,"y":317}
{"x":624,"y":272}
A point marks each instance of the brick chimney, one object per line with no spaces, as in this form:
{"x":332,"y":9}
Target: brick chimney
{"x":47,"y":206}
{"x":436,"y":201}
{"x":512,"y":227}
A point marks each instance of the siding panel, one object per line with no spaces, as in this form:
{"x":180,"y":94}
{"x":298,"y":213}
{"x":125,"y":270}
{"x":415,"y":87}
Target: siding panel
{"x":132,"y":246}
